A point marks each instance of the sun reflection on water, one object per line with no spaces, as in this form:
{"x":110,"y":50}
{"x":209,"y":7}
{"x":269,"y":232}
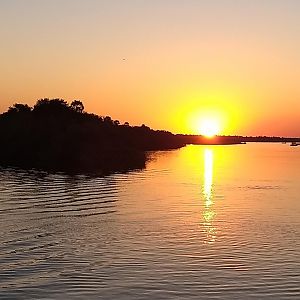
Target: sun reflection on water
{"x":208,"y":212}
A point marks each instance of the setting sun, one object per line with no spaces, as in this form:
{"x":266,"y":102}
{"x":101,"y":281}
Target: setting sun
{"x":209,"y":127}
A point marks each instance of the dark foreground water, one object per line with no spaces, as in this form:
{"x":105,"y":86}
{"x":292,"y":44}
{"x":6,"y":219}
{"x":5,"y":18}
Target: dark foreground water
{"x":201,"y":222}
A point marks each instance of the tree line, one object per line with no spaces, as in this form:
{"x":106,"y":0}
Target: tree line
{"x":56,"y":135}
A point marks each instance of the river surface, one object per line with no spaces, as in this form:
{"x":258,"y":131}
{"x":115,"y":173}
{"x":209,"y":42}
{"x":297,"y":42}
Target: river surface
{"x":201,"y":222}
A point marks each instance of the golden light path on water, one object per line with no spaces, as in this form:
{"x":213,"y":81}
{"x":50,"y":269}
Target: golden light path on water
{"x":208,"y":212}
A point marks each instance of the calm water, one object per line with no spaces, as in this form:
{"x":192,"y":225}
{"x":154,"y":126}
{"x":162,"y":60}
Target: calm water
{"x":219,"y":222}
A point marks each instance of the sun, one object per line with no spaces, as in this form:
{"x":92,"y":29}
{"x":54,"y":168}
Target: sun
{"x":209,"y":127}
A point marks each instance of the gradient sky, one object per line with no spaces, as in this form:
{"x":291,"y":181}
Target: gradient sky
{"x":165,"y":63}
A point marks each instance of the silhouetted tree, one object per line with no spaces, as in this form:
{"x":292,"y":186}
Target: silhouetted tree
{"x":145,"y":127}
{"x":77,"y":106}
{"x":19,"y":108}
{"x":51,"y":106}
{"x":108,"y":120}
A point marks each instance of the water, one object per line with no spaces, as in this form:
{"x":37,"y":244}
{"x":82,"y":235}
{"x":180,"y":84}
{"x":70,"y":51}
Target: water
{"x":217,"y":222}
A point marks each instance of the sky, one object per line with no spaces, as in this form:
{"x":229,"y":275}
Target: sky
{"x":169,"y":64}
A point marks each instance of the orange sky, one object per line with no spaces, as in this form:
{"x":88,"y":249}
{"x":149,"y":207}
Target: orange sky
{"x":167,"y":64}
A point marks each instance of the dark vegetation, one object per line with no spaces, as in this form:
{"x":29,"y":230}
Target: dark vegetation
{"x":231,"y":140}
{"x":57,"y":136}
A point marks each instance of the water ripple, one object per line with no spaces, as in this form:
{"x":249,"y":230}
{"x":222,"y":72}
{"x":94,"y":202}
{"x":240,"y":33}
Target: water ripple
{"x":193,"y":225}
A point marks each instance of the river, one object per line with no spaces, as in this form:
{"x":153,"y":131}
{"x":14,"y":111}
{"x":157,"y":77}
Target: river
{"x":201,"y":222}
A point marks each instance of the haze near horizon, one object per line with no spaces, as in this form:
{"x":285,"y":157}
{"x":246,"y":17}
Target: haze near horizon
{"x":169,"y":64}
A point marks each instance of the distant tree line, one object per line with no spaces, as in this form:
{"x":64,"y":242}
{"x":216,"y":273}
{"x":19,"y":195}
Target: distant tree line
{"x":233,"y":139}
{"x":55,"y":135}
